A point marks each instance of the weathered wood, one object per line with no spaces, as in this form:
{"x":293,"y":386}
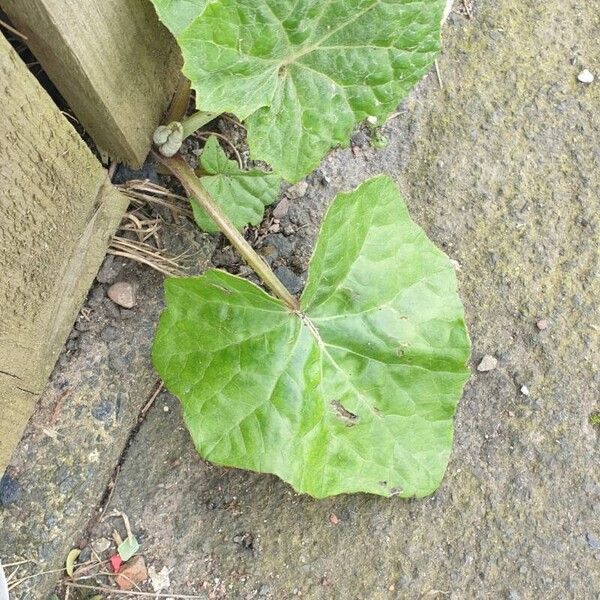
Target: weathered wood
{"x":58,"y":212}
{"x":113,"y":62}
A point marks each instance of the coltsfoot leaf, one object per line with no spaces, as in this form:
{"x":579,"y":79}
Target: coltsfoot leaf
{"x":178,"y":14}
{"x":355,"y":393}
{"x":242,"y":195}
{"x":303,"y":73}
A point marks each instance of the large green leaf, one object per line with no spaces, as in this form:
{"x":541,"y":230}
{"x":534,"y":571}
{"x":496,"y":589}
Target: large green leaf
{"x":357,"y":391}
{"x":178,"y":14}
{"x":242,"y":195}
{"x":303,"y":73}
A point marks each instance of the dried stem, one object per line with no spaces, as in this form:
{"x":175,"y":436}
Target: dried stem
{"x":12,"y":30}
{"x":109,"y":590}
{"x":180,"y":101}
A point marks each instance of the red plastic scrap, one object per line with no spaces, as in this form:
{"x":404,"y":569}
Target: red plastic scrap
{"x":116,"y":561}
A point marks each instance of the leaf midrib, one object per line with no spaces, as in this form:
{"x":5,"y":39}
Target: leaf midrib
{"x":318,"y":44}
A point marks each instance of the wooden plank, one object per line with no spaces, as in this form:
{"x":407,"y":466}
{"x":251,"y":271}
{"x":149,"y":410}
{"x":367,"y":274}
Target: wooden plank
{"x":58,"y":212}
{"x":113,"y":62}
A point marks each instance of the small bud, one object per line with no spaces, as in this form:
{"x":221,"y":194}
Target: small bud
{"x":168,"y":138}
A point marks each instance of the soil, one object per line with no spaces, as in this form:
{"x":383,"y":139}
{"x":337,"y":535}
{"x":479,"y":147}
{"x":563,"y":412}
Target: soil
{"x":499,"y":161}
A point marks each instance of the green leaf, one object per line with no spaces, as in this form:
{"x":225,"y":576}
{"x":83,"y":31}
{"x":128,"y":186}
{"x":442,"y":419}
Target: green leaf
{"x":178,"y":14}
{"x":303,"y":73}
{"x":242,"y":195}
{"x":355,"y":393}
{"x":128,"y":548}
{"x":70,"y":562}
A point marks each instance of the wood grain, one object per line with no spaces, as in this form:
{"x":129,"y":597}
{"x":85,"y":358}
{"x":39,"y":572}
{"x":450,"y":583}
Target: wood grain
{"x":113,"y":62}
{"x":58,"y":212}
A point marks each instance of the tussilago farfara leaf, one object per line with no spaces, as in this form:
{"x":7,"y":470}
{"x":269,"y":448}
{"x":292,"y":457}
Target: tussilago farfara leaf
{"x":242,"y":195}
{"x":303,"y":73}
{"x":356,"y":392}
{"x":178,"y":14}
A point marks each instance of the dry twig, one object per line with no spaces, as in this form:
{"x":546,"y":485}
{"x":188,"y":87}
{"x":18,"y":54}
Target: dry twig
{"x":18,"y":562}
{"x":12,"y":29}
{"x":147,"y":406}
{"x":108,"y":590}
{"x":112,"y":485}
{"x":439,"y":76}
{"x":144,"y":192}
{"x":467,"y":8}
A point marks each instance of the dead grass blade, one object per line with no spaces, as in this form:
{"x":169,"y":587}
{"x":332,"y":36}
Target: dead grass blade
{"x":148,"y":255}
{"x":144,"y":192}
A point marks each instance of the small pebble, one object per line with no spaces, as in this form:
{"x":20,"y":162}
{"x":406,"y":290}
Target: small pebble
{"x":524,"y":390}
{"x":109,"y":333}
{"x":360,"y":139}
{"x":96,"y":296}
{"x":333,"y":519}
{"x":103,"y":411}
{"x":290,"y":280}
{"x":488,"y":363}
{"x":100,"y":545}
{"x":542,"y":324}
{"x":10,"y":490}
{"x":165,"y":408}
{"x":298,"y":190}
{"x":372,"y":120}
{"x":118,"y":363}
{"x":269,"y":253}
{"x":108,"y":272}
{"x":122,"y":293}
{"x":593,"y":541}
{"x":586,"y":76}
{"x":281,"y":209}
{"x":226,"y":257}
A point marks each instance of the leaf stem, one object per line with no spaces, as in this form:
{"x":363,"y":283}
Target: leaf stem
{"x":195,"y":121}
{"x":198,"y":193}
{"x":180,"y":101}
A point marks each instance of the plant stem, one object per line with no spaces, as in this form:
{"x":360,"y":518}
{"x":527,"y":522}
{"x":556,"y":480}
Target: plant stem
{"x":195,"y":121}
{"x":180,"y":101}
{"x":195,"y":190}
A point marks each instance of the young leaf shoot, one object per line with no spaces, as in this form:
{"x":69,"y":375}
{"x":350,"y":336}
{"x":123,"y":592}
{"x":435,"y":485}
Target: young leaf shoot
{"x":242,"y":195}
